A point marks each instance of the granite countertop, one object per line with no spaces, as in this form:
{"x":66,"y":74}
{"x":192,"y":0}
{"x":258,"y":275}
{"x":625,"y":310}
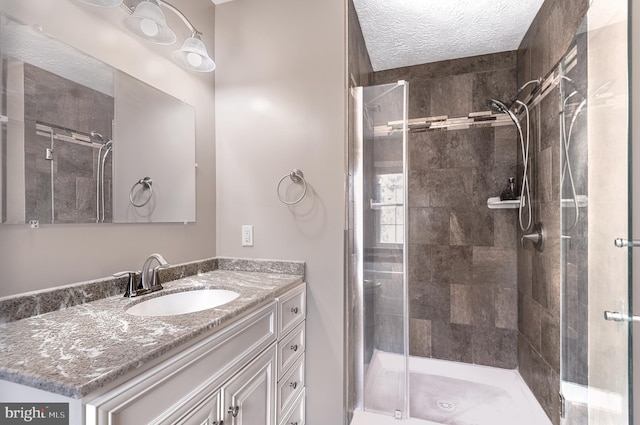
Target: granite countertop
{"x":77,"y":350}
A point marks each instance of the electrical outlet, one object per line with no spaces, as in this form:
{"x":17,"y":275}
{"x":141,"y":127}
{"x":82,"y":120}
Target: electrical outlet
{"x":247,"y":235}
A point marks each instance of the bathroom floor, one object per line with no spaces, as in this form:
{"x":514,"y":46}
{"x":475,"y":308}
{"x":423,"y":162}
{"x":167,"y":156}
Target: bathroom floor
{"x":448,"y":393}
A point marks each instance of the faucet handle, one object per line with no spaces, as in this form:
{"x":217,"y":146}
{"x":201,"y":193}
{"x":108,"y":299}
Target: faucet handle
{"x":538,"y":237}
{"x":132,"y":286}
{"x":120,"y":274}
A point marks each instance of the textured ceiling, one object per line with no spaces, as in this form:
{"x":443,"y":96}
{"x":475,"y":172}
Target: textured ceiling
{"x":401,"y":33}
{"x":29,"y":44}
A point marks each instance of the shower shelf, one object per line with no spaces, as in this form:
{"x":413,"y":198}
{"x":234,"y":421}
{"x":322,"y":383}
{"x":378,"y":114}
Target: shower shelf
{"x":583,"y":201}
{"x":378,"y":205}
{"x":496,"y":204}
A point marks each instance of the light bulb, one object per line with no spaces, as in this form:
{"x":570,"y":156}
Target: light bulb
{"x":149,"y":27}
{"x":194,"y":59}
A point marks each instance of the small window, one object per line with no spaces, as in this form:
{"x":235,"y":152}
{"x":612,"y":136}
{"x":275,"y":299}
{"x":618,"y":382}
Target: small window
{"x":392,"y":208}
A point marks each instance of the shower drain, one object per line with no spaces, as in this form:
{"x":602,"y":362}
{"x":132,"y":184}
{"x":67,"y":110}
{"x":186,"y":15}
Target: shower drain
{"x":446,"y":405}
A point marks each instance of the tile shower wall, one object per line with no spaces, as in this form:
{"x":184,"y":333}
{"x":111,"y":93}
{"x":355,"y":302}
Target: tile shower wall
{"x":55,"y":101}
{"x":462,"y":255}
{"x":360,"y":69}
{"x":539,"y":273}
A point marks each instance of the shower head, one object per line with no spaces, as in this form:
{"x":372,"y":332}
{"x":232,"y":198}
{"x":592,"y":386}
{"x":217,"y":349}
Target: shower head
{"x":537,"y":82}
{"x":503,"y":108}
{"x":97,"y":136}
{"x":497,"y":106}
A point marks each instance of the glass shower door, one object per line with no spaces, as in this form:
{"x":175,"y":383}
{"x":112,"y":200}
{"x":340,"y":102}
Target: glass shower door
{"x":379,"y":191}
{"x":595,"y":211}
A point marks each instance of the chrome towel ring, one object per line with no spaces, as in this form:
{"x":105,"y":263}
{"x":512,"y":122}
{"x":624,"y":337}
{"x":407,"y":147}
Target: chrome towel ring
{"x":296,"y":176}
{"x":146,"y":183}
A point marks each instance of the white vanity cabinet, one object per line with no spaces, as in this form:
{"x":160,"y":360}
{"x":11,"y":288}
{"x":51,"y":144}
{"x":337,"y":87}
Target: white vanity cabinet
{"x":249,"y":373}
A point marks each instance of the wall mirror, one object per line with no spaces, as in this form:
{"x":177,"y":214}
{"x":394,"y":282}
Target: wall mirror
{"x":81,"y":142}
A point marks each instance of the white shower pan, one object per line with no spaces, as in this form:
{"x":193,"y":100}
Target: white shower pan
{"x":448,"y":393}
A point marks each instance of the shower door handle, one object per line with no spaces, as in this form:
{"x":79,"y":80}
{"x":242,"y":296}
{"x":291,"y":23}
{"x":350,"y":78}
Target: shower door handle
{"x":616,"y":316}
{"x":623,"y":243}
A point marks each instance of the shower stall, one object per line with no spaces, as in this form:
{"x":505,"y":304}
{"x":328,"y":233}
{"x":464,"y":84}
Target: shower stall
{"x":412,"y":252}
{"x":71,"y":182}
{"x":455,"y":313}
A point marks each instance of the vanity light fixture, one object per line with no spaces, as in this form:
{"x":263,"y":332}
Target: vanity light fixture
{"x":147,"y":20}
{"x":193,"y":55}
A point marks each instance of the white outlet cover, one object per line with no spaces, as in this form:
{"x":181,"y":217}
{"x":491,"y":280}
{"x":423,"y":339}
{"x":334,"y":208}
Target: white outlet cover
{"x":247,"y":235}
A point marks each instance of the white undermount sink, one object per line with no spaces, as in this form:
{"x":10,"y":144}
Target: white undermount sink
{"x":183,"y":302}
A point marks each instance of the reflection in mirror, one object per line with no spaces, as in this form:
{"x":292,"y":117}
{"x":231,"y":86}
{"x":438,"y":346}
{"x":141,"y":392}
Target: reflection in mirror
{"x":77,"y":137}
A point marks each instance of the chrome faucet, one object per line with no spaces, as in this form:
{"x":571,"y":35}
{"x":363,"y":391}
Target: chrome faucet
{"x":151,"y":284}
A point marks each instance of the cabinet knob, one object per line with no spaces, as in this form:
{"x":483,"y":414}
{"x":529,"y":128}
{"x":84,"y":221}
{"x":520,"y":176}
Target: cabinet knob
{"x":294,"y":310}
{"x":293,"y":385}
{"x":294,"y":347}
{"x":233,"y":410}
{"x":294,"y":423}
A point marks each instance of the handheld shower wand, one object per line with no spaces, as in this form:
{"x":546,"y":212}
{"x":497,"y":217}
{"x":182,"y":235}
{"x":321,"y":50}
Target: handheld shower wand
{"x":525,"y":191}
{"x":105,"y":149}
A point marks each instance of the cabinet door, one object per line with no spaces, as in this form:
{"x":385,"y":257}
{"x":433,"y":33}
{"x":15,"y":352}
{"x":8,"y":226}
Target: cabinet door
{"x":249,"y":398}
{"x":205,"y":413}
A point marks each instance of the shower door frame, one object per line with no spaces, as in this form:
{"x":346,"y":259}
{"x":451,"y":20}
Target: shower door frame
{"x":354,"y":343}
{"x":603,"y":392}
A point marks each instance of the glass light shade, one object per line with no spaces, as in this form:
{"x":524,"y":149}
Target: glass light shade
{"x":193,"y":56}
{"x":103,"y":3}
{"x":148,"y":22}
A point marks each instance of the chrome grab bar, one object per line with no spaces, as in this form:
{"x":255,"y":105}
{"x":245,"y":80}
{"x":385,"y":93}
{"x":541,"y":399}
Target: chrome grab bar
{"x":623,"y":243}
{"x":616,"y":316}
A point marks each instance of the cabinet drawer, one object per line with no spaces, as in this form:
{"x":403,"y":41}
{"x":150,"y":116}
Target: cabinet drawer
{"x":292,"y":310}
{"x":291,"y":348}
{"x":290,"y":386}
{"x":295,"y":415}
{"x":169,"y":389}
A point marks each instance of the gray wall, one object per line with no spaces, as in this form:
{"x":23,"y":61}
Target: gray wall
{"x":539,"y":273}
{"x":281,"y":104}
{"x":54,"y":255}
{"x":462,"y":255}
